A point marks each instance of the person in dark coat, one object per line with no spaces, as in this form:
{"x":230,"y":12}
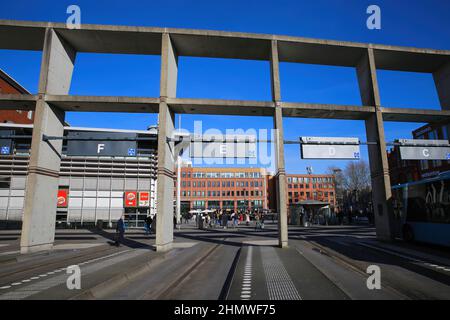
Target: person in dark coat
{"x":120,"y":231}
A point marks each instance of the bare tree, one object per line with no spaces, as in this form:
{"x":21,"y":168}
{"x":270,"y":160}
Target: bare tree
{"x":357,"y":176}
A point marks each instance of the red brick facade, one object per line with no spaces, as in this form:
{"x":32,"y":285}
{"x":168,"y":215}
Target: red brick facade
{"x":9,"y":86}
{"x":224,"y":188}
{"x":302,"y":187}
{"x":248,"y":188}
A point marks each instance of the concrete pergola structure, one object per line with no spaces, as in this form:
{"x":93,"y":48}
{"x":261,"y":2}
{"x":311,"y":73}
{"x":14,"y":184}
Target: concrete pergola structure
{"x":60,"y":45}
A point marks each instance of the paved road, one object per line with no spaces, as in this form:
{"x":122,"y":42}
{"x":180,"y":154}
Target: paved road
{"x":236,"y":264}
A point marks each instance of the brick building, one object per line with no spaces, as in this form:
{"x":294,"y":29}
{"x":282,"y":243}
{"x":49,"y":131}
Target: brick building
{"x":402,"y":171}
{"x":303,"y":187}
{"x":223,"y":188}
{"x":10,"y":86}
{"x":248,"y":188}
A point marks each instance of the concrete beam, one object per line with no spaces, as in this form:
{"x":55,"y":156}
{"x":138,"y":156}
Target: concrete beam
{"x":379,"y":168}
{"x":104,"y":103}
{"x":281,"y":192}
{"x":18,"y":101}
{"x":38,"y":228}
{"x":326,"y":111}
{"x":166,"y":157}
{"x":221,"y":107}
{"x":27,"y":35}
{"x":415,"y":115}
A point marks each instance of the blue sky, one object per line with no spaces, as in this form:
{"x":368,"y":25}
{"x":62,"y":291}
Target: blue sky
{"x":406,"y":23}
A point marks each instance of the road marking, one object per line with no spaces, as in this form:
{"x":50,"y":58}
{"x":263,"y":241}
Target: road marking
{"x":279,"y":284}
{"x":247,"y":279}
{"x":33,"y":288}
{"x":56,"y":271}
{"x":444,"y":268}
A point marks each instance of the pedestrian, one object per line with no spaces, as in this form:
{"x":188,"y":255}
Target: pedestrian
{"x":148,"y":225}
{"x":224,"y":220}
{"x":257,"y":222}
{"x":120,"y":230}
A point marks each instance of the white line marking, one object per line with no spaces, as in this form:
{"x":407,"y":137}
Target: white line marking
{"x":247,"y":279}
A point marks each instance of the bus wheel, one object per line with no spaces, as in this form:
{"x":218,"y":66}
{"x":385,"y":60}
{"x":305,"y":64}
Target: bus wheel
{"x":408,"y":234}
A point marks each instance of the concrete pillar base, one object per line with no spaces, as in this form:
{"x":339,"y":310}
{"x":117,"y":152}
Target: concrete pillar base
{"x":163,"y":247}
{"x":36,"y":248}
{"x":283,"y":244}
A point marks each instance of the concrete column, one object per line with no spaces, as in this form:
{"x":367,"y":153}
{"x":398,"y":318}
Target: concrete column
{"x":38,"y":228}
{"x":166,"y":156}
{"x":379,"y":168}
{"x":280,"y":175}
{"x":442,"y":81}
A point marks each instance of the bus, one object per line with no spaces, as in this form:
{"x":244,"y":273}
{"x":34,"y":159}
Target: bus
{"x":422,"y":210}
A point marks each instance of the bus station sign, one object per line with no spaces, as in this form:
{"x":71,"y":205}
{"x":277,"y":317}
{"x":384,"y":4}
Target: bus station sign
{"x":97,"y":144}
{"x":231,"y":146}
{"x":424,"y":149}
{"x":330,"y":148}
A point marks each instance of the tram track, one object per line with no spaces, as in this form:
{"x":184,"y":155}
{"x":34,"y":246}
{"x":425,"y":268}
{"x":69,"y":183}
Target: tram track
{"x":39,"y":267}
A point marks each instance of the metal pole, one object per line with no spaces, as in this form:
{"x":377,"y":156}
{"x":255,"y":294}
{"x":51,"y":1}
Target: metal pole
{"x":178,"y":189}
{"x":178,"y":212}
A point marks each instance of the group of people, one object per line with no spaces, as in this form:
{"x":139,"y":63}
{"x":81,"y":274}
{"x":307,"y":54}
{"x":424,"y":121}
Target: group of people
{"x":226,"y":218}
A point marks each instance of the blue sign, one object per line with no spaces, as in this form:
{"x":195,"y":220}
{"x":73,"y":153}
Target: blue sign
{"x":448,"y":156}
{"x":132,"y":152}
{"x":5,"y":150}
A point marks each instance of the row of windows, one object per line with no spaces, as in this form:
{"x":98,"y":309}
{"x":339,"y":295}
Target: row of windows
{"x":222,"y":174}
{"x":226,"y":203}
{"x":224,"y":193}
{"x":213,"y":184}
{"x":307,"y":180}
{"x":308,"y":194}
{"x":314,"y":186}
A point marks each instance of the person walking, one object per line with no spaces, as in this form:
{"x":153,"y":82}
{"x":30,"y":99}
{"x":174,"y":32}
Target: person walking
{"x":257,"y":222}
{"x":120,"y":231}
{"x":148,"y":225}
{"x":224,"y":220}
